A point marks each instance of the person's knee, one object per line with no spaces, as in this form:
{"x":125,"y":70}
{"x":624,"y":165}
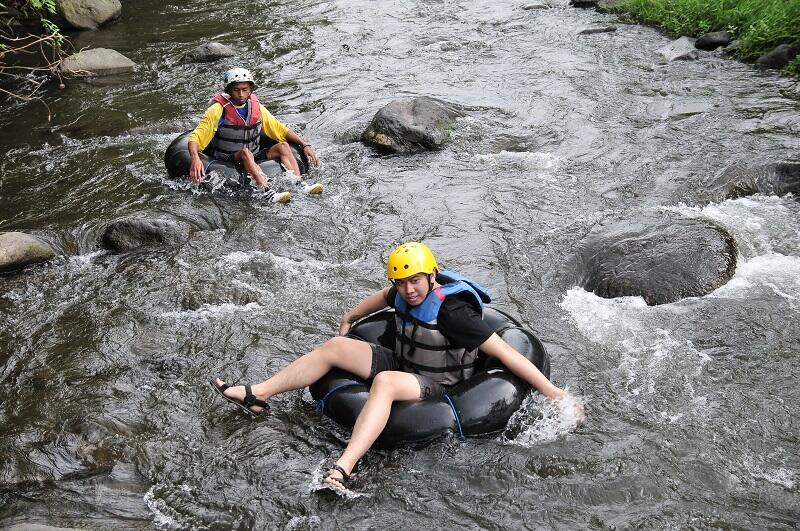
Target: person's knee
{"x":384,"y":383}
{"x":245,"y":154}
{"x":335,"y":347}
{"x":285,"y":150}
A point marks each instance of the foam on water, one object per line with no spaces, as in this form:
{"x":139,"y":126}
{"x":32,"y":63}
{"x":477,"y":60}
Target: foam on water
{"x":777,"y":272}
{"x":644,"y":352}
{"x":523,"y":159}
{"x":163,"y":515}
{"x":211,"y":311}
{"x":761,"y":224}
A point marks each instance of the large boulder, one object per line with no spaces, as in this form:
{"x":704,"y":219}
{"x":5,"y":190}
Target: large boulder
{"x":661,"y":257}
{"x":89,"y":14}
{"x":18,"y":250}
{"x":411,"y":126}
{"x":713,"y":40}
{"x":777,"y":58}
{"x":210,"y":51}
{"x":97,"y":61}
{"x":129,"y":234}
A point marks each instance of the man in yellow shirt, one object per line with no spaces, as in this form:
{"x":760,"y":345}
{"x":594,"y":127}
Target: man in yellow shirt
{"x":231,"y":130}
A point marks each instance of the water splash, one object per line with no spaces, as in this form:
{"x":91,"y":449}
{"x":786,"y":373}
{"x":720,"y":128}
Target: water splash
{"x":316,"y":484}
{"x":540,"y":419}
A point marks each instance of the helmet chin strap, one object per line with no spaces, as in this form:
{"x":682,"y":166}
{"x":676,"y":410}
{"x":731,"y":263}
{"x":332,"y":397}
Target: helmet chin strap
{"x":431,"y":282}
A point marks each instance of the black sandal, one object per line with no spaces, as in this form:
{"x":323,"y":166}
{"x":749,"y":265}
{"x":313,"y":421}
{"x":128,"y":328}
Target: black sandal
{"x":344,"y":480}
{"x":245,"y":405}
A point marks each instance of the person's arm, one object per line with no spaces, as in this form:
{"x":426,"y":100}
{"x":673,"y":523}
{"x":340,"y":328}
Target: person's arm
{"x":371,"y":304}
{"x":308,"y":150}
{"x":277,"y":131}
{"x":521,"y":366}
{"x":525,"y":369}
{"x":200,"y":138}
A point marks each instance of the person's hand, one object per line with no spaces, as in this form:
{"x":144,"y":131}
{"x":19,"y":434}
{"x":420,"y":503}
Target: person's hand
{"x":311,"y":155}
{"x":345,"y":325}
{"x":565,"y":400}
{"x":580,"y":413}
{"x":196,"y":170}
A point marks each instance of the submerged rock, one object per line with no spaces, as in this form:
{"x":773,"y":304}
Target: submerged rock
{"x":679,"y":50}
{"x":97,"y":61}
{"x":777,"y":58}
{"x":597,"y":29}
{"x":18,"y":250}
{"x":128,"y":234}
{"x":661,"y":258}
{"x":713,"y":40}
{"x":411,"y":126}
{"x":208,"y":52}
{"x":89,"y":14}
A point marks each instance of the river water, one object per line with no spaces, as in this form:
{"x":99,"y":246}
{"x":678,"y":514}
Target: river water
{"x":108,"y":420}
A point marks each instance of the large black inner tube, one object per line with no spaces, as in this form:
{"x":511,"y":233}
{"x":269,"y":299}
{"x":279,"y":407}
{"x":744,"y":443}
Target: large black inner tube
{"x":480,"y":405}
{"x":178,"y":160}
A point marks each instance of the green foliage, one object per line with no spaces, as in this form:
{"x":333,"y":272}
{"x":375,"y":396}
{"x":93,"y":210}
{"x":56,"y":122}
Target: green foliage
{"x":759,"y":25}
{"x":46,"y":5}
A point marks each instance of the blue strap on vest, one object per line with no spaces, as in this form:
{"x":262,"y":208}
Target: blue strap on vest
{"x":455,"y":414}
{"x":321,"y":401}
{"x":243,"y":112}
{"x":452,"y":283}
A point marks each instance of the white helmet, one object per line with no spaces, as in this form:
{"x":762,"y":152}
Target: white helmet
{"x":238,"y":75}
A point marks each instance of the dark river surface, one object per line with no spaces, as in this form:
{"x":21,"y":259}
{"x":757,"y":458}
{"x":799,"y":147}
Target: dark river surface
{"x":107,"y":418}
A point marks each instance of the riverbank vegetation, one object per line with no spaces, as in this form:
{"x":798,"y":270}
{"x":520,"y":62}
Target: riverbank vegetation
{"x":758,"y":25}
{"x":30,"y":46}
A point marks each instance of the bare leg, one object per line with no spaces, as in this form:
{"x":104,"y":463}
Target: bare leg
{"x":246,"y":159}
{"x":283,"y":154}
{"x":387,"y":387}
{"x":343,"y":353}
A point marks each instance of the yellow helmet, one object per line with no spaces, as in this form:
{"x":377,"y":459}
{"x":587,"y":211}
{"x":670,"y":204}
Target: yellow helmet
{"x":409,"y":259}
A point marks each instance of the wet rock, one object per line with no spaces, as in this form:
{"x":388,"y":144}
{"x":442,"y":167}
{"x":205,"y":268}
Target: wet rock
{"x":597,"y":29}
{"x":777,"y":58}
{"x":606,"y":6}
{"x":411,"y":126}
{"x":779,"y":178}
{"x":97,"y":61}
{"x":583,"y":3}
{"x":732,"y":49}
{"x":128,"y":234}
{"x":18,"y":250}
{"x":660,"y":257}
{"x":89,"y":14}
{"x":208,"y":52}
{"x":713,"y":40}
{"x":679,"y":50}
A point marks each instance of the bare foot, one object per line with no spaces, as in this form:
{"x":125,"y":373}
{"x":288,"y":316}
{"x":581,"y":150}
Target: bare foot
{"x":336,"y":477}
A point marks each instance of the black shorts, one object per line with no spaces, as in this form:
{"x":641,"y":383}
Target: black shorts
{"x":384,"y":359}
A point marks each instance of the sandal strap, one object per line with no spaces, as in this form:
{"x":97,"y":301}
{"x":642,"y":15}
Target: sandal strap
{"x":345,"y":475}
{"x":250,"y":399}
